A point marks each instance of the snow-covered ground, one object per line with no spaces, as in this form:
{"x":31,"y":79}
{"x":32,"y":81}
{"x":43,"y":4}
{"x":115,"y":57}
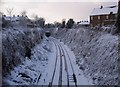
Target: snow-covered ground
{"x":96,"y":53}
{"x":92,"y":56}
{"x":31,"y":70}
{"x":16,"y":45}
{"x":81,"y":78}
{"x":38,"y":70}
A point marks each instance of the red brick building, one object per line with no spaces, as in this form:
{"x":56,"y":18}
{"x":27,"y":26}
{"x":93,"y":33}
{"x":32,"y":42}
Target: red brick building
{"x":103,"y":16}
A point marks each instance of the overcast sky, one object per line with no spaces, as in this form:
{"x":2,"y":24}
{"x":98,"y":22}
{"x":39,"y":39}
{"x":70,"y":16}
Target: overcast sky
{"x":55,"y":10}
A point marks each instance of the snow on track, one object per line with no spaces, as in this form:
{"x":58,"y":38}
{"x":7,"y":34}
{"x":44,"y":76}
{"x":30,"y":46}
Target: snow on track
{"x":81,"y":79}
{"x":69,"y":57}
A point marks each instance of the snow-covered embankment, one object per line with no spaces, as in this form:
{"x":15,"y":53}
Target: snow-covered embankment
{"x":25,"y":56}
{"x":96,"y":53}
{"x":16,"y":45}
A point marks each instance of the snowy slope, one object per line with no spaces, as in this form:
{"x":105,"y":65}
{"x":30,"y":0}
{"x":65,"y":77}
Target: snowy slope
{"x":31,"y":70}
{"x":81,"y":78}
{"x":96,"y":53}
{"x":16,"y":45}
{"x":96,"y":57}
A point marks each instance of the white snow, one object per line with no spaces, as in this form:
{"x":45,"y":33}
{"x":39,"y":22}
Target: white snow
{"x":84,"y":23}
{"x":40,"y":67}
{"x":31,"y":67}
{"x":104,"y":10}
{"x":107,"y":39}
{"x":81,"y":79}
{"x":96,"y":53}
{"x":47,"y":75}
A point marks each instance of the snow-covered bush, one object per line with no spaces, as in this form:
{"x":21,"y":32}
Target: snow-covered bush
{"x":108,"y":28}
{"x":5,"y":23}
{"x":30,"y":71}
{"x":16,"y":45}
{"x":96,"y":53}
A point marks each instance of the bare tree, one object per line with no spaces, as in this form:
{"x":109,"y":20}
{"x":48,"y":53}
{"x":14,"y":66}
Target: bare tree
{"x":34,"y":17}
{"x":10,"y":11}
{"x":57,"y":24}
{"x":23,"y":13}
{"x":39,"y":21}
{"x":36,"y":20}
{"x":23,"y":19}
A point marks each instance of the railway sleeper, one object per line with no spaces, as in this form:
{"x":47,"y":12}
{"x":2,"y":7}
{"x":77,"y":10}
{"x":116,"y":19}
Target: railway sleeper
{"x":71,"y":79}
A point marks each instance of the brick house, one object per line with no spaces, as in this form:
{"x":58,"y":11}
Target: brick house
{"x":103,"y":16}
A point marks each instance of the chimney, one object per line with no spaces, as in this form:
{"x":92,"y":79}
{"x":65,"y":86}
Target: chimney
{"x":4,"y":15}
{"x":101,"y":7}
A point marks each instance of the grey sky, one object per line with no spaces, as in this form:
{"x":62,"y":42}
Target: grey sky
{"x":55,"y":11}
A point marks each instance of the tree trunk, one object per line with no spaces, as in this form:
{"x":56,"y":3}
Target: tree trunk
{"x":118,"y":19}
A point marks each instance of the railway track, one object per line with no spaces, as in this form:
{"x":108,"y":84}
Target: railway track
{"x":63,"y":55}
{"x":66,"y":67}
{"x":61,"y":66}
{"x":50,"y":83}
{"x":70,"y":77}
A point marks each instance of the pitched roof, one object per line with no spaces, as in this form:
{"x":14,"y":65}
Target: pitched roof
{"x":11,"y":18}
{"x":14,"y":18}
{"x":104,"y":10}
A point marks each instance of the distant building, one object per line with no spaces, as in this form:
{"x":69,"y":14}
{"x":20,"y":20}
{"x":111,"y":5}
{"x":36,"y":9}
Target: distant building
{"x":14,"y":18}
{"x":103,"y":16}
{"x":84,"y":23}
{"x":17,"y":20}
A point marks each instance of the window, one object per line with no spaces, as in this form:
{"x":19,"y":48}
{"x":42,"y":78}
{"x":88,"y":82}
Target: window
{"x":107,"y":17}
{"x":115,"y":15}
{"x":98,"y":24}
{"x":111,"y":12}
{"x":91,"y":25}
{"x":98,"y":17}
{"x":102,"y":24}
{"x":91,"y":18}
